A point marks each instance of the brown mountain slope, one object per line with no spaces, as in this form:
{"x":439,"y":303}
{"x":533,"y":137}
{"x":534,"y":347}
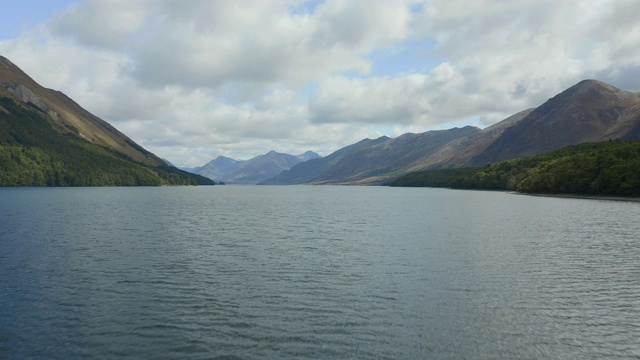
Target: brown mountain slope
{"x":65,"y":115}
{"x":459,"y":153}
{"x":377,"y":163}
{"x":415,"y":152}
{"x":589,"y":111}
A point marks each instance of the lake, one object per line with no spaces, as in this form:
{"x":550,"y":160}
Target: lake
{"x":308,"y":272}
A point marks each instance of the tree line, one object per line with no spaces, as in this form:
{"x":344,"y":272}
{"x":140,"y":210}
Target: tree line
{"x":603,"y":168}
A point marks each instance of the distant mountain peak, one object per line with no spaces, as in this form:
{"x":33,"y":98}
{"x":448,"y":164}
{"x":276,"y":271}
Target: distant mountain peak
{"x":592,"y":85}
{"x":223,"y":158}
{"x":589,"y":82}
{"x":254,"y":170}
{"x":272,"y":153}
{"x":586,"y":94}
{"x":309,"y":155}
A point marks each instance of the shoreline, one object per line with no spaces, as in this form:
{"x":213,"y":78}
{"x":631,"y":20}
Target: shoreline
{"x":578,"y":196}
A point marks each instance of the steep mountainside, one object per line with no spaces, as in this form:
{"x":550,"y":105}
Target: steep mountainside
{"x":46,"y":139}
{"x":253,"y":170}
{"x":589,"y":111}
{"x":458,"y":153}
{"x":67,"y":116}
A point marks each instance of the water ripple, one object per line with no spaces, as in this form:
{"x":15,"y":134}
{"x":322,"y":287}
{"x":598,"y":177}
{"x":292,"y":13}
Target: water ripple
{"x":316,"y":272}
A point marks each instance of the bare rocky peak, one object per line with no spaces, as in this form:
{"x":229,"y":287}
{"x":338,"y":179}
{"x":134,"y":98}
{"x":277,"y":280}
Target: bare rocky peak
{"x":597,"y":90}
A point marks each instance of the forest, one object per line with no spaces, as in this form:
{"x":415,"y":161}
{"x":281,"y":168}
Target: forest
{"x":609,"y":168}
{"x":32,"y":153}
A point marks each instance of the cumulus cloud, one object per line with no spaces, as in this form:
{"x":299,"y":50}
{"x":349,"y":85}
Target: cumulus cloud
{"x":108,"y":24}
{"x":375,"y":101}
{"x":193,"y":80}
{"x":508,"y":51}
{"x":249,"y":43}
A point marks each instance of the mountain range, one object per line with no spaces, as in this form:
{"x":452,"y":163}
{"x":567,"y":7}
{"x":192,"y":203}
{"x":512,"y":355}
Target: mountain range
{"x":590,"y":111}
{"x":47,"y":139}
{"x":252,"y":171}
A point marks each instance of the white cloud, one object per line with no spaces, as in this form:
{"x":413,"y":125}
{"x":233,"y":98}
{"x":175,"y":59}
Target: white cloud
{"x":368,"y":101}
{"x":108,"y":24}
{"x":249,"y":43}
{"x":531,"y":49}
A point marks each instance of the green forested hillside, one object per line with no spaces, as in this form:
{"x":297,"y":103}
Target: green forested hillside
{"x":33,"y":154}
{"x":604,"y":168}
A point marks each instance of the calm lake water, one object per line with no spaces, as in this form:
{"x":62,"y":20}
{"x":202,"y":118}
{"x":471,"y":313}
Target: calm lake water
{"x":307,"y":272}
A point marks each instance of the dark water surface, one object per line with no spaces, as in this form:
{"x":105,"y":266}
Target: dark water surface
{"x":248,"y":272}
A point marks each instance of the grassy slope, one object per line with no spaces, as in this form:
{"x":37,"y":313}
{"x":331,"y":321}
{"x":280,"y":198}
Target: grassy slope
{"x":72,"y":117}
{"x":604,"y":168}
{"x":33,"y":154}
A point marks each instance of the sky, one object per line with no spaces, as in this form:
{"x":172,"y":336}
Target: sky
{"x":192,"y":80}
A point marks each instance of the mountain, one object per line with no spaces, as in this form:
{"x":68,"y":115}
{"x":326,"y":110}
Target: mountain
{"x":254,"y":170}
{"x":308,"y":171}
{"x":47,"y":139}
{"x":66,"y":116}
{"x":458,"y":153}
{"x":308,"y":155}
{"x":371,"y":161}
{"x":589,"y":111}
{"x":216,"y":168}
{"x":375,"y":163}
